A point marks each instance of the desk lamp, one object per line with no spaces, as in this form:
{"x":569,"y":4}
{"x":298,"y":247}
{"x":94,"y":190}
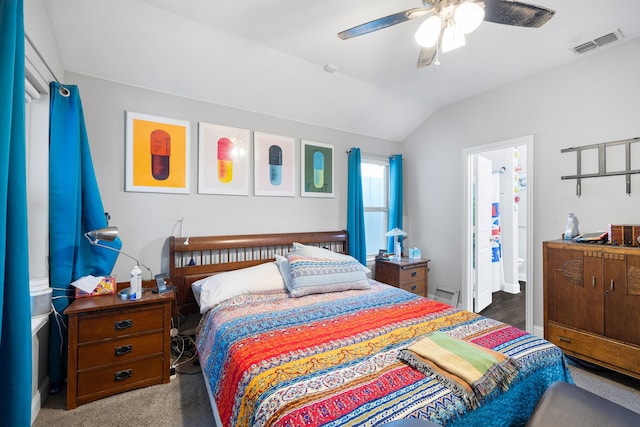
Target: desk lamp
{"x":109,"y":234}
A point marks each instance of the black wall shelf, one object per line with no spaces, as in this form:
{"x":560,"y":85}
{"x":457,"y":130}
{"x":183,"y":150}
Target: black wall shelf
{"x":602,"y":162}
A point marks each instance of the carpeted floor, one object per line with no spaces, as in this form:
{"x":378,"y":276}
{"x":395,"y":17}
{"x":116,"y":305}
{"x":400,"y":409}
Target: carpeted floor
{"x":184,"y":402}
{"x":619,"y":388}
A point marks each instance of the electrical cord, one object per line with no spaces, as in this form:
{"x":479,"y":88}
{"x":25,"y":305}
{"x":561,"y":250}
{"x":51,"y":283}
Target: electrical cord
{"x":60,"y":322}
{"x":183,"y":350}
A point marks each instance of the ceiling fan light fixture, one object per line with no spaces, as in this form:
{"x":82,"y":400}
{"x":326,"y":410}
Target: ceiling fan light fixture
{"x":468,"y":16}
{"x":452,"y":38}
{"x":429,"y":31}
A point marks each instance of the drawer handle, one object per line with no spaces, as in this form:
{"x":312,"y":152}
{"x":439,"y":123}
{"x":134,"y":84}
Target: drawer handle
{"x":414,"y":287}
{"x":123,"y":324}
{"x":414,"y":273}
{"x":613,"y":283}
{"x":122,"y":375}
{"x":565,"y":339}
{"x":123,"y":350}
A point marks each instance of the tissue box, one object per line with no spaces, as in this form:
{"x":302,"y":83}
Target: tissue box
{"x":107,"y":286}
{"x":415,"y":253}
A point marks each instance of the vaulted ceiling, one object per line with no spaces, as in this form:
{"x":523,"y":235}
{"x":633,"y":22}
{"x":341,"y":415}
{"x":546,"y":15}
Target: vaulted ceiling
{"x":268,"y":56}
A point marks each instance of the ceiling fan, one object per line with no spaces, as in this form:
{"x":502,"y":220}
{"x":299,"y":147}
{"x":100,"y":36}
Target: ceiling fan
{"x":449,"y":20}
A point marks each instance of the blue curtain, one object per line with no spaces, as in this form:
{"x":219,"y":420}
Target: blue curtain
{"x":75,"y":207}
{"x":15,"y":308}
{"x":355,"y":209}
{"x":395,"y":197}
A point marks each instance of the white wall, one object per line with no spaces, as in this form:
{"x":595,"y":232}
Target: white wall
{"x":146,"y":220}
{"x":592,"y":100}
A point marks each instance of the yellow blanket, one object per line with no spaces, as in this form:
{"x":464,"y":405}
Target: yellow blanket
{"x":471,"y":371}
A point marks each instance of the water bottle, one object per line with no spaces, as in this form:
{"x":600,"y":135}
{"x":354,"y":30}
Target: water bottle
{"x":571,"y":231}
{"x":135,"y":283}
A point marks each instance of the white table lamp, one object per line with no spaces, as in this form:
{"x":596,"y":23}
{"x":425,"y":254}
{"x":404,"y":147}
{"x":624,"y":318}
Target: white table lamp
{"x":396,"y":244}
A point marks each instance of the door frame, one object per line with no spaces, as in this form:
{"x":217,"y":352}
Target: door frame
{"x":467,"y":225}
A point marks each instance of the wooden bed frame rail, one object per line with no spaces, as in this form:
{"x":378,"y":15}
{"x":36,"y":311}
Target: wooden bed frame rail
{"x":194,"y":258}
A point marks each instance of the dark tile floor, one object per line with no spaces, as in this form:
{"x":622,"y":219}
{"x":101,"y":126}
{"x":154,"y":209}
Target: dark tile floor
{"x":508,"y":308}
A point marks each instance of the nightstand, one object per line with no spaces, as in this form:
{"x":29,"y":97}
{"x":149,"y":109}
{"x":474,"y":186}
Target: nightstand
{"x":408,"y":274}
{"x":117,"y":345}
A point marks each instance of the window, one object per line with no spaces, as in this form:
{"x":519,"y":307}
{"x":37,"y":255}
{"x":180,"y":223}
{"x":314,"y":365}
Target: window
{"x":375,"y":197}
{"x":37,"y":157}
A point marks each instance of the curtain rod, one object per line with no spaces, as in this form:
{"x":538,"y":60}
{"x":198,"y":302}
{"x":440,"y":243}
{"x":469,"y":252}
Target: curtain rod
{"x":374,"y":155}
{"x":41,"y":57}
{"x":63,"y":90}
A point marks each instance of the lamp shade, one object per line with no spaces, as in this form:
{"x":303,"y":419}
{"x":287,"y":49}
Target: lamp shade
{"x":396,"y":232}
{"x":429,"y":31}
{"x":468,"y":16}
{"x":108,"y":233}
{"x":452,"y":37}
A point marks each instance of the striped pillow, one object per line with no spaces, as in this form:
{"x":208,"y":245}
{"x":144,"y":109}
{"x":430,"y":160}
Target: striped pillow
{"x":319,"y":275}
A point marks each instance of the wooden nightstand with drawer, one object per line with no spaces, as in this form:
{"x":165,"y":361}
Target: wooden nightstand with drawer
{"x":409,"y":274}
{"x":117,"y":345}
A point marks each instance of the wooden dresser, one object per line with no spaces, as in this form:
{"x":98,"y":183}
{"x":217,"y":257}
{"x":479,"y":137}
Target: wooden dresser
{"x":117,"y":345}
{"x":409,"y":274}
{"x":592,"y":303}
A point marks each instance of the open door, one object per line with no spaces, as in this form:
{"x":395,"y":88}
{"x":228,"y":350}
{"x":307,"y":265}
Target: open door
{"x":473,"y":296}
{"x":483,"y":271}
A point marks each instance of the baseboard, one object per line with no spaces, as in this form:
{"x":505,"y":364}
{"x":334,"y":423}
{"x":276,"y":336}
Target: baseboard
{"x":512,"y":288}
{"x":522,"y":277}
{"x":38,"y":398}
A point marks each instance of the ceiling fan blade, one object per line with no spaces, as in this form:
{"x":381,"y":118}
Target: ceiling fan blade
{"x":426,"y":55}
{"x":516,"y":13}
{"x":380,"y":23}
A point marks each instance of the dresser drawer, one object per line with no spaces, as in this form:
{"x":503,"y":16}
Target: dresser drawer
{"x":116,"y":323}
{"x":408,"y":274}
{"x":619,"y":355}
{"x":119,"y":350}
{"x":418,"y":287}
{"x":412,"y":274}
{"x":122,"y":376}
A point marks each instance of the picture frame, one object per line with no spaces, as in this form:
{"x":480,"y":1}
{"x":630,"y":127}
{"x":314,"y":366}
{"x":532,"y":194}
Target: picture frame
{"x":274,"y":165}
{"x":223,"y":159}
{"x":157,"y":154}
{"x":317,"y":169}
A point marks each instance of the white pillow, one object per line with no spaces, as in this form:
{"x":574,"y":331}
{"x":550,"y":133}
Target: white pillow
{"x":317,"y":252}
{"x":222,"y":286}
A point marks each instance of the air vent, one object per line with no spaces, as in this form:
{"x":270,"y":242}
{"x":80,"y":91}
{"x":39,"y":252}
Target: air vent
{"x":612,"y":37}
{"x":585,"y":47}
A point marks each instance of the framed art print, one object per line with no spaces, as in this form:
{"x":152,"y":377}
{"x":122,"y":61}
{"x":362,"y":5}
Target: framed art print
{"x":223,"y":159}
{"x":317,"y":179}
{"x":273,"y":165}
{"x":157,"y":154}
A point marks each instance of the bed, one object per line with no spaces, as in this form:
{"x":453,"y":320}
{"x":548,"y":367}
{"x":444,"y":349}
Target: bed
{"x":331,"y":358}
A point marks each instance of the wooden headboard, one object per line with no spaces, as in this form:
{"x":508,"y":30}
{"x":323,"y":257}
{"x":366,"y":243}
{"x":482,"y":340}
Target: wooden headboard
{"x":203,"y":256}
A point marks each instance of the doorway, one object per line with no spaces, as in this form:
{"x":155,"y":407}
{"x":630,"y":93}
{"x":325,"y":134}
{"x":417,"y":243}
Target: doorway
{"x":507,"y":167}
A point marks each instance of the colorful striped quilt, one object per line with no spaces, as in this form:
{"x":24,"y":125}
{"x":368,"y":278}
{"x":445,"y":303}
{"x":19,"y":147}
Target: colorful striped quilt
{"x":332,"y":359}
